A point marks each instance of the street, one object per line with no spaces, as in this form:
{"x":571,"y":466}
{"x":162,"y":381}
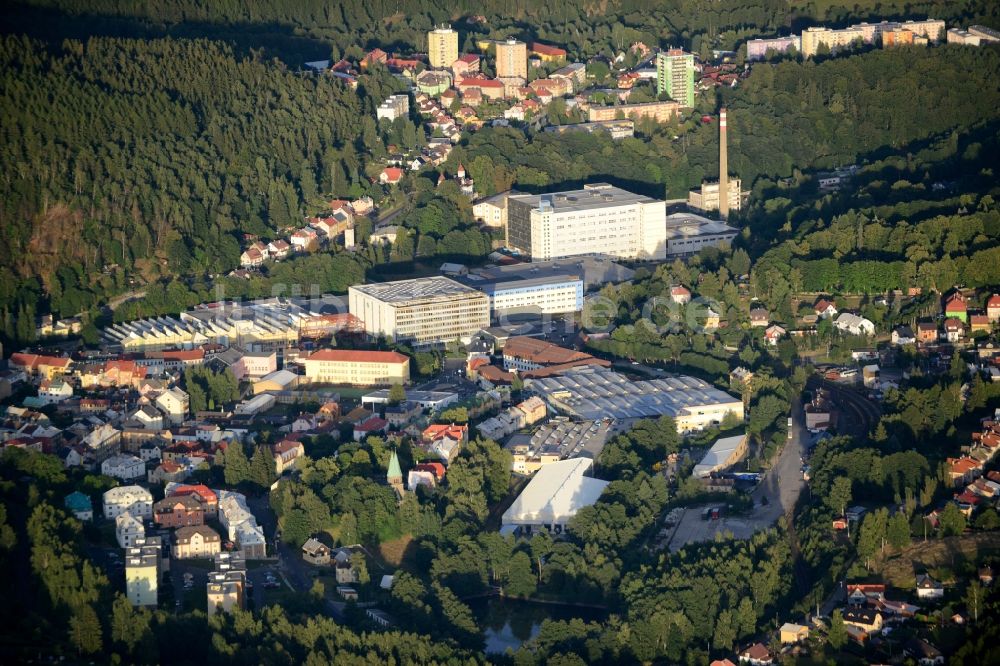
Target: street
{"x":781,"y":485}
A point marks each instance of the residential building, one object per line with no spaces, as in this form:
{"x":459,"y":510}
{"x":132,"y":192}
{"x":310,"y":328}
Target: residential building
{"x":854,"y":325}
{"x":128,"y":528}
{"x":241,"y":525}
{"x":814,"y":38}
{"x":390,"y":176}
{"x":903,"y":335}
{"x":956,"y":306}
{"x":928,"y":588}
{"x":600,"y":219}
{"x":424,"y":311}
{"x":792,"y":633}
{"x":197,"y":541}
{"x":706,"y":198}
{"x":985,"y":35}
{"x":124,"y":466}
{"x":135,"y":500}
{"x":866,"y":619}
{"x":286,"y":454}
{"x":394,"y":106}
{"x":756,"y":655}
{"x":174,"y":403}
{"x":594,"y":393}
{"x":359,"y":368}
{"x":661,"y":112}
{"x":79,"y":505}
{"x":179,"y":511}
{"x":226,"y":590}
{"x":442,"y":47}
{"x":492,"y":211}
{"x":445,"y":441}
{"x":315,"y":552}
{"x":209,"y":500}
{"x":759,"y":317}
{"x":465,"y":65}
{"x":687,"y":233}
{"x":675,"y":76}
{"x":757,"y":49}
{"x":954,"y":329}
{"x":142,"y":574}
{"x":511,"y":59}
{"x":553,"y":496}
{"x":54,"y":391}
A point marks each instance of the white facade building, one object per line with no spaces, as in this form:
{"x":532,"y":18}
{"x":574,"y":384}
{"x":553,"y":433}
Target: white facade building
{"x":688,"y":233}
{"x":424,"y":311}
{"x":124,"y":467}
{"x":395,"y":106}
{"x":598,"y":220}
{"x":128,"y":528}
{"x":551,"y":294}
{"x":134,"y":499}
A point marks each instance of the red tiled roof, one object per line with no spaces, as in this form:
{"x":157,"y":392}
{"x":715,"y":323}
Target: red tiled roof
{"x":371,"y":425}
{"x":480,"y":83}
{"x":199,"y":489}
{"x":469,"y":58}
{"x":435,"y":467}
{"x":184,"y":354}
{"x":451,"y":431}
{"x":355,"y":356}
{"x":545,"y":49}
{"x":392,"y":173}
{"x":994,"y":301}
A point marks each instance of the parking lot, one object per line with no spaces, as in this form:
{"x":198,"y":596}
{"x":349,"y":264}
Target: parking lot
{"x":781,"y":486}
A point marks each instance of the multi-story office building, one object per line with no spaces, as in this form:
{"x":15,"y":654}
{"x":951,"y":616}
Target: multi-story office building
{"x":706,"y":198}
{"x":360,"y":368}
{"x":813,"y":38}
{"x":424,"y":311}
{"x":395,"y":106}
{"x":598,"y":220}
{"x":757,"y":48}
{"x":675,"y":76}
{"x":442,"y":47}
{"x":512,"y":59}
{"x":548,"y":294}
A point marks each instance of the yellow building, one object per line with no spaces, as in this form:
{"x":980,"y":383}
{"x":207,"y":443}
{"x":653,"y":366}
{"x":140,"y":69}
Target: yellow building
{"x":196,"y":542}
{"x":359,"y":368}
{"x":142,"y":576}
{"x":512,"y":59}
{"x":442,"y":47}
{"x":812,"y":38}
{"x":225,"y":591}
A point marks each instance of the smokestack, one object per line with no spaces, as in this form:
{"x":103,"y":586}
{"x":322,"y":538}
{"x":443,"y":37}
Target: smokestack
{"x":723,"y":168}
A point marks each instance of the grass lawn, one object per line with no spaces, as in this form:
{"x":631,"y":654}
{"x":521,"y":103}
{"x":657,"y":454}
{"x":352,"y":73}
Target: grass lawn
{"x":953,"y":553}
{"x":393,"y":552}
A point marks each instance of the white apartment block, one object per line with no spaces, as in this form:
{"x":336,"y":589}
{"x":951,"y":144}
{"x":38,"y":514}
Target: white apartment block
{"x":424,"y":311}
{"x":395,"y":106}
{"x":600,"y":219}
{"x":135,"y":500}
{"x":834,"y":40}
{"x":125,"y":467}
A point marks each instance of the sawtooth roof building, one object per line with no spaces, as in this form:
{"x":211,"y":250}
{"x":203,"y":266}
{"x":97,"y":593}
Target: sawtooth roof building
{"x":593,"y":393}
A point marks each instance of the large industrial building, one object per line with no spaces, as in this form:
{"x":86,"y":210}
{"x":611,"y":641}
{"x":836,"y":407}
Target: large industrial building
{"x":553,"y":496}
{"x":688,"y":233}
{"x":424,"y":311}
{"x":548,"y":294}
{"x":706,"y":197}
{"x":600,"y":219}
{"x":594,"y":393}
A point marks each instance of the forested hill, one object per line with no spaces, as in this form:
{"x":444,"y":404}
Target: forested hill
{"x":129,"y":151}
{"x":584,"y":27}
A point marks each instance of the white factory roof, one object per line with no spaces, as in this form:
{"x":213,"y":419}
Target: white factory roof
{"x":718,"y":455}
{"x":554,"y":495}
{"x":595,"y":393}
{"x":401,"y":291}
{"x":594,"y":195}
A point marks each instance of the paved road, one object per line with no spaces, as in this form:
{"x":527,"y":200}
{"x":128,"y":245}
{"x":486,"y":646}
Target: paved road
{"x":781,"y":485}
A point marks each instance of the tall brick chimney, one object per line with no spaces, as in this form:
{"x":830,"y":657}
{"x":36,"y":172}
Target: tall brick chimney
{"x":723,"y":168}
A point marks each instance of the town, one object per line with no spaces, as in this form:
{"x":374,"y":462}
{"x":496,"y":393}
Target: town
{"x":527,"y":355}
